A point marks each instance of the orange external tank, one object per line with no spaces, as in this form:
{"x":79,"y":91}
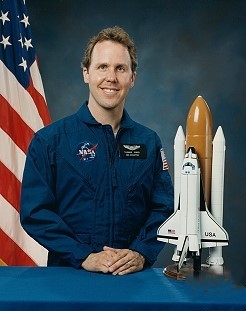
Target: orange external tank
{"x":199,"y":134}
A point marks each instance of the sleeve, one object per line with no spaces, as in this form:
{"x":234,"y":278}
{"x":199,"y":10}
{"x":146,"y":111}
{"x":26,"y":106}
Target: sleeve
{"x":38,"y":213}
{"x":161,"y":207}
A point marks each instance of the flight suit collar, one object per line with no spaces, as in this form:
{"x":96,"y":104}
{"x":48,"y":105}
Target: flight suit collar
{"x":85,"y":116}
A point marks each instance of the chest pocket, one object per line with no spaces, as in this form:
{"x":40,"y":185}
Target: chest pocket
{"x":143,"y":169}
{"x":138,"y":192}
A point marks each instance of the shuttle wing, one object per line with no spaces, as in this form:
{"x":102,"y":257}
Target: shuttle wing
{"x":212,"y":234}
{"x":168,"y":231}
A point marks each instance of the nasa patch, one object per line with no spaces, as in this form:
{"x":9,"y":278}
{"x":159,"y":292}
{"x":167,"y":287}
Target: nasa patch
{"x":86,"y":151}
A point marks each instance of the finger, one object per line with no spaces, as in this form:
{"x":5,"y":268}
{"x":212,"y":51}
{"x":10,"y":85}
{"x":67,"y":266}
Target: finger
{"x":127,"y":266}
{"x":133,"y":265}
{"x":121,"y":253}
{"x":128,"y":271}
{"x":119,"y":258}
{"x":107,"y":248}
{"x":130,"y":268}
{"x":96,"y":262}
{"x":119,"y":262}
{"x":122,"y":264}
{"x":112,"y":257}
{"x":109,"y":254}
{"x":110,"y":250}
{"x":103,"y":268}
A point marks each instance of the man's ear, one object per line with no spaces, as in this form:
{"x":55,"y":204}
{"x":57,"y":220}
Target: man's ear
{"x":86,"y":75}
{"x":133,"y":78}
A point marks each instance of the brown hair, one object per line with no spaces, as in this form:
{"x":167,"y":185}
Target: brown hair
{"x":115,"y":34}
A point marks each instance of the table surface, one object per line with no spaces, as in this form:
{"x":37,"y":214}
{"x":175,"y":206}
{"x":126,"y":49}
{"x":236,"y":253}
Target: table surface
{"x":28,"y":288}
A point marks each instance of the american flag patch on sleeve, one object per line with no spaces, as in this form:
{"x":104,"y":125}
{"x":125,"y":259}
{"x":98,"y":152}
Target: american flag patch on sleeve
{"x":164,"y":160}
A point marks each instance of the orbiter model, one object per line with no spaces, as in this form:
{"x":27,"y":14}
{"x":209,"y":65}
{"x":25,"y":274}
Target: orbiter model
{"x":198,"y":191}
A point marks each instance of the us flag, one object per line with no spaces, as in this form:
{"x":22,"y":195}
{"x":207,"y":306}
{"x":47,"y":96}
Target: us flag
{"x":23,"y":111}
{"x":164,"y":160}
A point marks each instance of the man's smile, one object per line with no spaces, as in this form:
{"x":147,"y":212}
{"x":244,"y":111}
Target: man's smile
{"x":109,"y":90}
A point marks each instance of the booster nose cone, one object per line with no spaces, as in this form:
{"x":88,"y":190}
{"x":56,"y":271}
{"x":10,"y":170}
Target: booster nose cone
{"x":199,"y":134}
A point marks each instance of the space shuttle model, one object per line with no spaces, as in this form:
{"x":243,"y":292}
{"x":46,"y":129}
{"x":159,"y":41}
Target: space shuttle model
{"x":198,"y":191}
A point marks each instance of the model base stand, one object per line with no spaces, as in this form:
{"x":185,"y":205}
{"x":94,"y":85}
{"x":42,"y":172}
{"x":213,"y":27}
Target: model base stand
{"x":187,"y":272}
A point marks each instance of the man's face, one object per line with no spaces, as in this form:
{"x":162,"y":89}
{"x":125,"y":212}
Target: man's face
{"x":109,"y":76}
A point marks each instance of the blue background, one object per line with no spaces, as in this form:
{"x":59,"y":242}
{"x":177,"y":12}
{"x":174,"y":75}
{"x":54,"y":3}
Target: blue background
{"x":185,"y":49}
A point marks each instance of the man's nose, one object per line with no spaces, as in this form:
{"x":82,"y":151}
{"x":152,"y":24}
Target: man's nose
{"x":111,"y":75}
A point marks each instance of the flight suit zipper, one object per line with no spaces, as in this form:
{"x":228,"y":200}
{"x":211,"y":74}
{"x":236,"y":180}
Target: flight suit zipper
{"x":111,"y":142}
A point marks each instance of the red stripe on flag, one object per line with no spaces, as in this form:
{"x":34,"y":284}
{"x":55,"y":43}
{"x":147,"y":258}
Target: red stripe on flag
{"x":14,"y":126}
{"x":12,"y":254}
{"x":10,"y":187}
{"x":40,"y":103}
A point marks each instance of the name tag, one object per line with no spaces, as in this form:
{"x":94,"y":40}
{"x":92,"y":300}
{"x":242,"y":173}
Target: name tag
{"x":133,"y":151}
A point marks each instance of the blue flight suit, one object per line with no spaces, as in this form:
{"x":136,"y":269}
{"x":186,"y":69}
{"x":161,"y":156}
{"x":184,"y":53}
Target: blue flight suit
{"x":83,"y":188}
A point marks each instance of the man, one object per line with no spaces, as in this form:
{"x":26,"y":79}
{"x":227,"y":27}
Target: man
{"x":96,"y":185}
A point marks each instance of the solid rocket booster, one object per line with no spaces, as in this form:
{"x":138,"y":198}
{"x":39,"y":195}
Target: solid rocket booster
{"x":217,"y":191}
{"x":199,"y":134}
{"x":179,"y":153}
{"x":217,"y":183}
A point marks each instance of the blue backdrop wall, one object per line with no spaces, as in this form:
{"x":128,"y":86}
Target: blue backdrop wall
{"x":185,"y":49}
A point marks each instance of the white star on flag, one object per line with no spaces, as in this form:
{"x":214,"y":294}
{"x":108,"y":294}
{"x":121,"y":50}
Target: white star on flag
{"x":23,"y":64}
{"x":4,"y":17}
{"x":21,"y":41}
{"x":28,"y":43}
{"x":25,"y":20}
{"x":5,"y":41}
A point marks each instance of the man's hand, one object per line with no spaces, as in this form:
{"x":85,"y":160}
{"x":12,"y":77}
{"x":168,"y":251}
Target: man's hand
{"x":98,"y":262}
{"x":124,"y":261}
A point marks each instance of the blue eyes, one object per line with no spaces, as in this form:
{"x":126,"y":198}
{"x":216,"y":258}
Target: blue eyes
{"x":105,"y":67}
{"x":102,"y":67}
{"x":121,"y":68}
